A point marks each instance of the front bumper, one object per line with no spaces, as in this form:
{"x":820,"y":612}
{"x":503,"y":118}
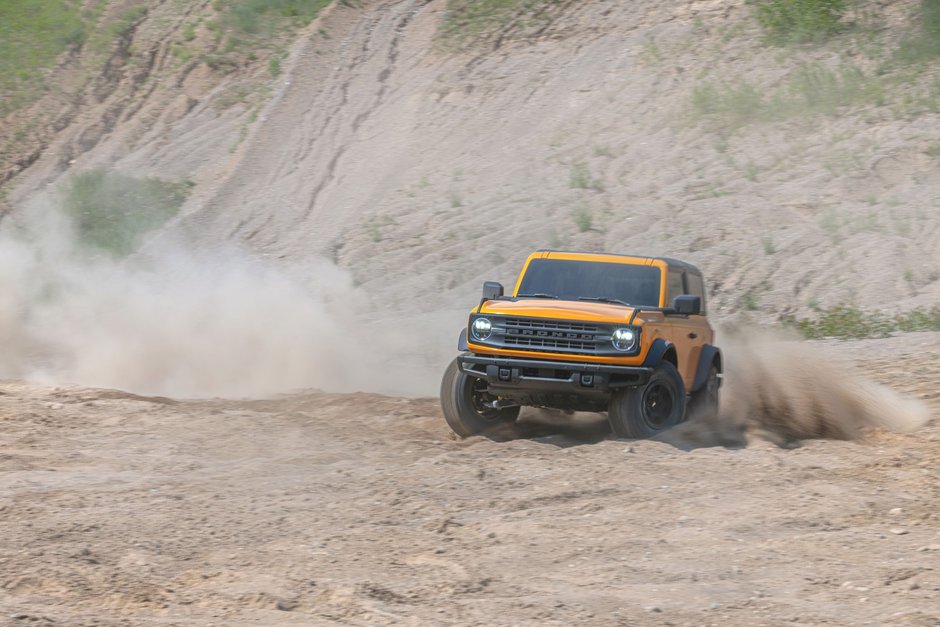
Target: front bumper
{"x":504,"y":374}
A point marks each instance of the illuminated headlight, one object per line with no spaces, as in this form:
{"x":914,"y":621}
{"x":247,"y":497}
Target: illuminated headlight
{"x":623,"y":339}
{"x":481,"y":329}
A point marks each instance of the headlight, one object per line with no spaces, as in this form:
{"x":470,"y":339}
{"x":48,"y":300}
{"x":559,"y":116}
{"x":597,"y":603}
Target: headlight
{"x":481,"y":329}
{"x":623,"y":339}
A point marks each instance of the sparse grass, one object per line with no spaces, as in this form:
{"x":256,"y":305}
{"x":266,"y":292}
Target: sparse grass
{"x":811,"y":90}
{"x":32,"y":35}
{"x":250,"y":28}
{"x":749,"y":301}
{"x":848,"y":322}
{"x":101,"y":40}
{"x":829,"y":222}
{"x":466,"y":21}
{"x":769,"y":247}
{"x":376,"y":225}
{"x":580,"y":177}
{"x":751,"y":171}
{"x":934,"y":151}
{"x":797,"y":21}
{"x":651,"y":54}
{"x":557,"y":241}
{"x":818,"y":89}
{"x":925,"y":45}
{"x":862,"y":222}
{"x":112,"y":211}
{"x":583,"y":219}
{"x":126,"y":21}
{"x":736,"y":103}
{"x":455,"y":200}
{"x":274,"y":65}
{"x":265,"y":17}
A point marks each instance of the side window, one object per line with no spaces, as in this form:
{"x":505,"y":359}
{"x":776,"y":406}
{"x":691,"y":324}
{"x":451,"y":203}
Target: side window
{"x":696,"y":287}
{"x":674,"y":287}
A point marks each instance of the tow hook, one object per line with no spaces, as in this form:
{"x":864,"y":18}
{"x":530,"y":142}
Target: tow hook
{"x":499,"y":404}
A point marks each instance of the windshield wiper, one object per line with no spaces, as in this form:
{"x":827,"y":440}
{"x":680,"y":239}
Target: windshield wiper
{"x":537,"y":295}
{"x":604,"y":299}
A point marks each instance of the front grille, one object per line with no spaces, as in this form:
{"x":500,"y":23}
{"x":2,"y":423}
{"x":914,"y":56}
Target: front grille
{"x":554,"y":325}
{"x":551,"y":336}
{"x":553,"y":344}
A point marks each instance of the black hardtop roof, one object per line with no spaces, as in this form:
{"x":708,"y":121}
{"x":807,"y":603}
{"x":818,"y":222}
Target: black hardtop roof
{"x":672,"y":263}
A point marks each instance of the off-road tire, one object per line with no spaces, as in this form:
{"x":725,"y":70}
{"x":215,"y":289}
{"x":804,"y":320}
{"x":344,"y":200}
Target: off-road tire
{"x":703,"y":403}
{"x":461,"y":400}
{"x":643,"y":411}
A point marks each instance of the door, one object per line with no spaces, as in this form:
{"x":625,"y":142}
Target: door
{"x":690,"y":333}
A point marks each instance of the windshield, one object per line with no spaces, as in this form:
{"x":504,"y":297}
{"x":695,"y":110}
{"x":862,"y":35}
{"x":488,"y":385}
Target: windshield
{"x":571,"y":280}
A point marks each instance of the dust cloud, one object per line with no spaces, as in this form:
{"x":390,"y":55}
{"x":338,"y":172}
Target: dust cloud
{"x":787,"y":391}
{"x":179,"y":322}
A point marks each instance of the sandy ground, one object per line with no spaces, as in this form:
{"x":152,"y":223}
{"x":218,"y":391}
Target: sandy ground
{"x":362,"y":509}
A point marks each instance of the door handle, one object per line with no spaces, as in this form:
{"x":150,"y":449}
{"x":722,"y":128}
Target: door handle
{"x":693,"y":335}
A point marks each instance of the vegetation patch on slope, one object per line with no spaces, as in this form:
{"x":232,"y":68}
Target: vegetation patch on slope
{"x":925,"y":44}
{"x":849,"y":322}
{"x":267,"y":17}
{"x":789,"y":21}
{"x":32,"y":36}
{"x":903,"y":78}
{"x":468,"y":21}
{"x":112,"y":211}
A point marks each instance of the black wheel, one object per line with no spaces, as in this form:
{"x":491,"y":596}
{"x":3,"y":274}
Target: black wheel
{"x":462,"y":399}
{"x":703,"y":404}
{"x":644,"y":411}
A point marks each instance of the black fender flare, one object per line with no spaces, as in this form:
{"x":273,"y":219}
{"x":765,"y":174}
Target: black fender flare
{"x":710,"y":355}
{"x":656,"y":352}
{"x":462,"y":341}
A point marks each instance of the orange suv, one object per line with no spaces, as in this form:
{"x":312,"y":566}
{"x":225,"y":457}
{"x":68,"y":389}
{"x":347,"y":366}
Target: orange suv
{"x":588,"y":332}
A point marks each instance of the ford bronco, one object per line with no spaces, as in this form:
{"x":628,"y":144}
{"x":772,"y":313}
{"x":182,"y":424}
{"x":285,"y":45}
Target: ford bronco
{"x":587,"y":332}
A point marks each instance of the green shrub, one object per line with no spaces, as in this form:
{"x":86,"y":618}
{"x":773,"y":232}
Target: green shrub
{"x":112,"y":211}
{"x":789,"y":21}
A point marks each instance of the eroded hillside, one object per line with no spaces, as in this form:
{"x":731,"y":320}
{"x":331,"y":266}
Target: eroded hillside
{"x":800,"y":177}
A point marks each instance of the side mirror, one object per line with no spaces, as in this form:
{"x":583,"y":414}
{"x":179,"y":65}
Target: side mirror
{"x":687,"y":305}
{"x":492,"y":290}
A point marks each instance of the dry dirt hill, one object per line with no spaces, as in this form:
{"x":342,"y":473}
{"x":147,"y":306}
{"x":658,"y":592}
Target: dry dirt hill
{"x":798,"y":177}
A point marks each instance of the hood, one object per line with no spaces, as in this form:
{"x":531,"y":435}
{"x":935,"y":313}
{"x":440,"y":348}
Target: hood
{"x":559,"y":309}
